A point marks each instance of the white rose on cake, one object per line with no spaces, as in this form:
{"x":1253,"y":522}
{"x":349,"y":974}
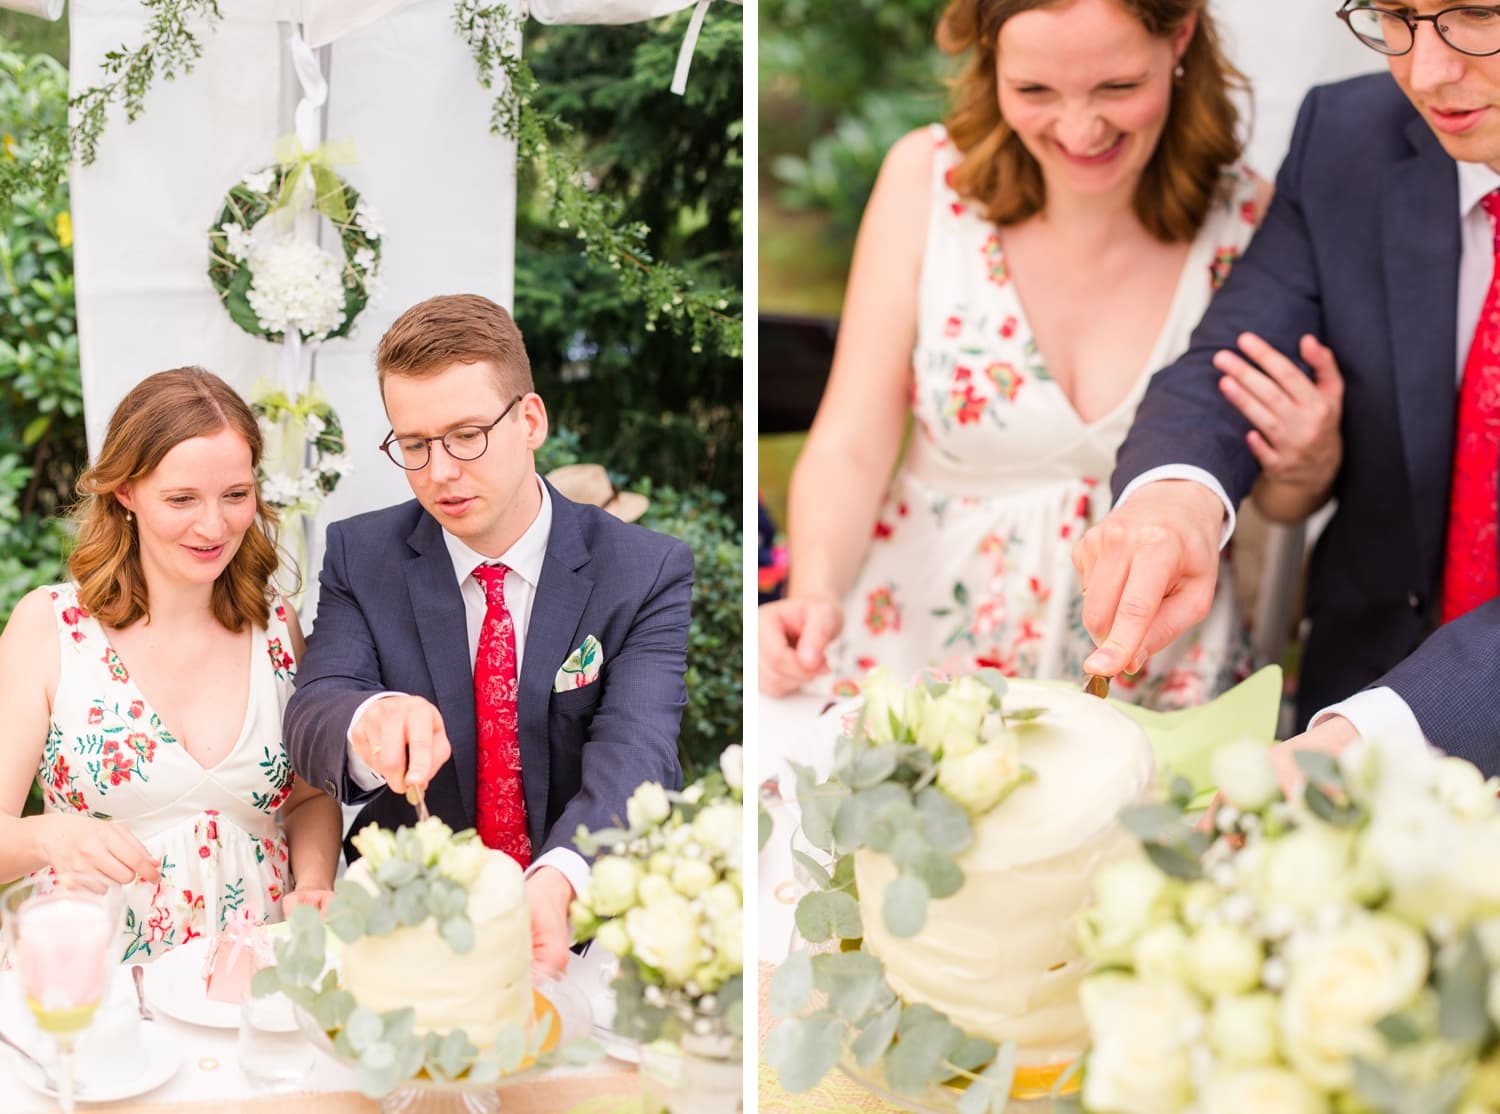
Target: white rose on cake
{"x":981,"y":779}
{"x":885,"y":700}
{"x":949,"y":724}
{"x":375,"y":845}
{"x":1339,"y":985}
{"x":462,"y":862}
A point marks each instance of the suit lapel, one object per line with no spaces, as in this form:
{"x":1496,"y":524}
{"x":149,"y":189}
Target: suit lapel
{"x":561,"y":595}
{"x":1420,"y":225}
{"x":439,"y":610}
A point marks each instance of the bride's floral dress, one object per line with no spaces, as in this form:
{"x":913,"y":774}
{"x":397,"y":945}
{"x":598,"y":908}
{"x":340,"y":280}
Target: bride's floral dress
{"x":971,"y":564}
{"x":214,"y":832}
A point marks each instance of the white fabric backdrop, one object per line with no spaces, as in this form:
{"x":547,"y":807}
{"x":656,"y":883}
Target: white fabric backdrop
{"x":403,"y":89}
{"x":1259,"y":37}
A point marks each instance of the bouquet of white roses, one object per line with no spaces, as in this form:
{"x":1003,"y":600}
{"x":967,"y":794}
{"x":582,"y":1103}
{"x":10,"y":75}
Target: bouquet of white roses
{"x":665,"y":896}
{"x":1337,"y":952}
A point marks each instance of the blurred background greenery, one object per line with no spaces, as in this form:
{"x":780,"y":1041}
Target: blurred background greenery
{"x":661,"y":418}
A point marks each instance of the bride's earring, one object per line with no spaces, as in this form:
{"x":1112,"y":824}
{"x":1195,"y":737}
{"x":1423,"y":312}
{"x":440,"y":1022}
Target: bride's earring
{"x":128,"y":516}
{"x":1178,"y":72}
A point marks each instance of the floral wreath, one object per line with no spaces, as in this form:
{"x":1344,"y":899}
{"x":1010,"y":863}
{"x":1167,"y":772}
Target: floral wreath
{"x":287,"y":283}
{"x":306,"y":419}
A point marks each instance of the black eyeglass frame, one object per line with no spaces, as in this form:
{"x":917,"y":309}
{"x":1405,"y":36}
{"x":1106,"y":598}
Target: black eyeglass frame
{"x":387,"y":445}
{"x":1411,"y":22}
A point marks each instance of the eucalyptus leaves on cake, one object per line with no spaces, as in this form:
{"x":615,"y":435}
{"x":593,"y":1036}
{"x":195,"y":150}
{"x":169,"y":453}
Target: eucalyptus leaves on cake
{"x":416,"y":994}
{"x":958,"y":831}
{"x":665,"y":895}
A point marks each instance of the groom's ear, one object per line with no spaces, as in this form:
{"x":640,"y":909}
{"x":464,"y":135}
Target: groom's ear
{"x":534,"y":414}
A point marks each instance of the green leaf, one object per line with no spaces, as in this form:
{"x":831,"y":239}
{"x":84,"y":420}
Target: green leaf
{"x":509,"y":1048}
{"x":938,"y":873}
{"x":1151,"y":823}
{"x":854,"y":983}
{"x":905,"y":906}
{"x":857,"y":814}
{"x":1174,"y":861}
{"x":266,"y":981}
{"x":815,"y":869}
{"x":792,"y":985}
{"x":364,"y":1028}
{"x":1319,"y":766}
{"x":875,"y":1035}
{"x":35,"y":429}
{"x":459,"y":933}
{"x":332,"y":1008}
{"x":1399,"y":1029}
{"x":824,"y":916}
{"x":765,"y":825}
{"x":990,"y":1093}
{"x":1020,"y":716}
{"x":917,"y":1057}
{"x":1462,"y":983}
{"x":945,"y":823}
{"x":870,"y":765}
{"x":994,"y":679}
{"x":803,"y":1051}
{"x":971,"y":1053}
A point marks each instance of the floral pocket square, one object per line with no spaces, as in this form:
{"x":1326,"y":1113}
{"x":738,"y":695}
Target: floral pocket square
{"x":581,"y":668}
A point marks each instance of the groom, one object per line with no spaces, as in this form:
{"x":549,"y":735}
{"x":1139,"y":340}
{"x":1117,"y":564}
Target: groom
{"x":518,"y":655}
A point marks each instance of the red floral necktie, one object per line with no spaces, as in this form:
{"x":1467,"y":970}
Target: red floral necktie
{"x":500,"y":808}
{"x":1471,"y":570}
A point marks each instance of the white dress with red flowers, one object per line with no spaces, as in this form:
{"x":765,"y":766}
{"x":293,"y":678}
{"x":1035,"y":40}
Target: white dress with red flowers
{"x":971,"y":562}
{"x":214,"y":831}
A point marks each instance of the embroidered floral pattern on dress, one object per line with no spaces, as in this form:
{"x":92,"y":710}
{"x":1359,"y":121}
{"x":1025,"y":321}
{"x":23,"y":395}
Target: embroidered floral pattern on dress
{"x":109,"y":755}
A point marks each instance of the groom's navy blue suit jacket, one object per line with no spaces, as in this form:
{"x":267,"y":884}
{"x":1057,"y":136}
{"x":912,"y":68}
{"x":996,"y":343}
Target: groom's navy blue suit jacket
{"x":1360,"y":247}
{"x":390,"y":617}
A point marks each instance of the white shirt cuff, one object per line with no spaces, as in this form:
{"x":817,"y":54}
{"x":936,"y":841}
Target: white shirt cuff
{"x":360,"y":771}
{"x":1380,"y":714}
{"x":570,"y":863}
{"x":1186,"y":472}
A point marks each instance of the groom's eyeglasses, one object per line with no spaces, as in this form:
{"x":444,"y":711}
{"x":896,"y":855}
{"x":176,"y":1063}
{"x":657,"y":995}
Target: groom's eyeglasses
{"x":467,"y":442}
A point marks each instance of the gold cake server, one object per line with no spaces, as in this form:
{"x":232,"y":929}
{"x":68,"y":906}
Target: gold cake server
{"x":416,"y":796}
{"x":1096,"y":686}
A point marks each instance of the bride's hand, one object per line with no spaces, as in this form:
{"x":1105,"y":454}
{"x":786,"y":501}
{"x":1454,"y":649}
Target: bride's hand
{"x":306,"y":895}
{"x":90,"y":853}
{"x":794,"y":638}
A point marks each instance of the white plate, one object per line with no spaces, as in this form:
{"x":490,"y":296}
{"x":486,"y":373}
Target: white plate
{"x":160,"y":1059}
{"x":174,"y":985}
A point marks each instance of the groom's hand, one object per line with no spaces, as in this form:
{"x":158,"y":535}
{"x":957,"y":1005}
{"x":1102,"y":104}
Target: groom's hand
{"x":549,"y":893}
{"x":402,"y":739}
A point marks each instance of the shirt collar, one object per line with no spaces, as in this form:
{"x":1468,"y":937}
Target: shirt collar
{"x":524,"y":557}
{"x":1475,"y":180}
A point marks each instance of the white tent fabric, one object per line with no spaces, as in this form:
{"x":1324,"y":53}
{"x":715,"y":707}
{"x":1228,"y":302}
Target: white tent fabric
{"x":47,"y":9}
{"x":1256,"y":37}
{"x":402,"y":88}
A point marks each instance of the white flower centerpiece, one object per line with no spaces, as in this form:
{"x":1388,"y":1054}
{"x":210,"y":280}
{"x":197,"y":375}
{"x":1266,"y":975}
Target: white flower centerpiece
{"x":920,"y":767}
{"x":1337,"y":952}
{"x":665,"y":895}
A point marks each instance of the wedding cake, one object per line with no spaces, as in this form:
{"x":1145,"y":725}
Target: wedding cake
{"x":998,"y":957}
{"x":479,"y":991}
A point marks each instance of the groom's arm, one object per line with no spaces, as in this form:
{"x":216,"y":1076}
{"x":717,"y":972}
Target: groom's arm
{"x":339,"y":672}
{"x":632,"y":737}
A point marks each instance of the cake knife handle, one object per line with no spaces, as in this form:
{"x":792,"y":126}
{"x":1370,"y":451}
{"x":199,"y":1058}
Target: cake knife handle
{"x":416,"y":796}
{"x":1096,"y":685}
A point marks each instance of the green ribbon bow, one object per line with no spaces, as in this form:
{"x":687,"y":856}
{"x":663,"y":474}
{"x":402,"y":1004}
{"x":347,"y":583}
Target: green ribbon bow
{"x":328,"y":191}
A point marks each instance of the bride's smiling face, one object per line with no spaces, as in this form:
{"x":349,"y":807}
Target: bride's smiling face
{"x":1087,"y":89}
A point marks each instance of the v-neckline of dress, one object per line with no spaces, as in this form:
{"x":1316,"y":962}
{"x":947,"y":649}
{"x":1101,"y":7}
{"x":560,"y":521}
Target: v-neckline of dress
{"x":166,"y":728}
{"x":1154,"y":358}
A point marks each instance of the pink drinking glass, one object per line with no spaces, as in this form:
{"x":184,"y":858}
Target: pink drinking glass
{"x":63,"y":944}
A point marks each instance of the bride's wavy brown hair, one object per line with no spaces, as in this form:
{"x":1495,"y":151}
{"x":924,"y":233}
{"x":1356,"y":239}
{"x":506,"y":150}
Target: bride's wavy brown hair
{"x":160,"y":412}
{"x":1200,"y":139}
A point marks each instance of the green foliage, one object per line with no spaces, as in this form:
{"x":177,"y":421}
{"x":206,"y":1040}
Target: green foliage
{"x":41,"y":399}
{"x":839,"y":84}
{"x":714,"y":717}
{"x":651,"y":400}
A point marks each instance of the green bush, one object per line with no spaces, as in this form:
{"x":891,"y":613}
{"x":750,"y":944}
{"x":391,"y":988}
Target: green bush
{"x":714,"y":717}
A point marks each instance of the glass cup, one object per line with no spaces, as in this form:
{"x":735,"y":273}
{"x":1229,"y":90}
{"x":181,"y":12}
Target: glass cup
{"x":273,"y":1053}
{"x":64,"y":944}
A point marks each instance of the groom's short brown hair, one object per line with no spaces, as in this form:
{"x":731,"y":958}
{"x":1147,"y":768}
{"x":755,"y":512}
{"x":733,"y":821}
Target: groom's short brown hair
{"x":455,"y":328}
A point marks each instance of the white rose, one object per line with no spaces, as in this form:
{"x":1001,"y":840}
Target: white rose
{"x":1141,"y":1032}
{"x":463,"y":862}
{"x":612,"y":885}
{"x":613,"y":938}
{"x":731,"y":765}
{"x":1242,"y":1029}
{"x":1242,"y":770}
{"x":664,"y":935}
{"x":433,"y":837}
{"x":648,"y":805}
{"x":1162,"y":953}
{"x":885,"y":698}
{"x":1339,"y":984}
{"x":1257,"y":1090}
{"x":717,"y":828}
{"x":949,"y":724}
{"x":721,"y":900}
{"x":981,"y":779}
{"x":660,"y":862}
{"x":653,"y":888}
{"x":1412,"y":838}
{"x":1306,"y":870}
{"x":1130,"y":896}
{"x":1464,"y":789}
{"x":690,"y":877}
{"x":1224,"y":960}
{"x":375,"y":844}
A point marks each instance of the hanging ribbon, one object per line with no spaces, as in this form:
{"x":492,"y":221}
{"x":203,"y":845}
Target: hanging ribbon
{"x":689,"y":44}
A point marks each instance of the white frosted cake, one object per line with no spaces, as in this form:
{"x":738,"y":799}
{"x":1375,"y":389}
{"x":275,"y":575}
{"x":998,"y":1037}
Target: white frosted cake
{"x":481,"y":991}
{"x":999,"y":957}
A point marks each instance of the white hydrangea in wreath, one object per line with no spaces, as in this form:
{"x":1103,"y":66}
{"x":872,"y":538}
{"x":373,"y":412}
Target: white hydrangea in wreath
{"x":273,"y":284}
